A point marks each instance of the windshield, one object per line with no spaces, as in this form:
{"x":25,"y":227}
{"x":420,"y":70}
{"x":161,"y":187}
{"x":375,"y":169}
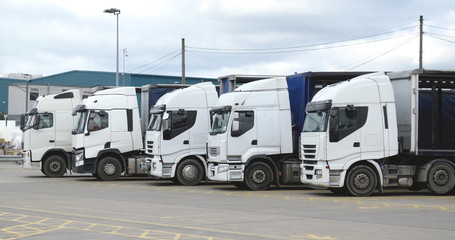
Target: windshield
{"x":219,"y":121}
{"x":155,"y":122}
{"x":81,"y":119}
{"x":315,"y":122}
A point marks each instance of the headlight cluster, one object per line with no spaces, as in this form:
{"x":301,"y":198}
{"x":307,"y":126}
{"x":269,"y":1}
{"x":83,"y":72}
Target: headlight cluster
{"x":223,"y":168}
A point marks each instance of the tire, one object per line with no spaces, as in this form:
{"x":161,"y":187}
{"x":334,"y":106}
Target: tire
{"x":361,"y":181}
{"x":189,"y":172}
{"x":54,"y":166}
{"x":108,"y":169}
{"x":258,"y":176}
{"x":441,"y":178}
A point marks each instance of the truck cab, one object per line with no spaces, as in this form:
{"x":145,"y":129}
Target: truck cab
{"x":177,"y":134}
{"x":46,"y":134}
{"x":250,"y":139}
{"x":107,"y":138}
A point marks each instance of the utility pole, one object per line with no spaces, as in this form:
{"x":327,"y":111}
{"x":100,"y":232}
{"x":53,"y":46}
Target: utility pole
{"x":183,"y":61}
{"x":421,"y":44}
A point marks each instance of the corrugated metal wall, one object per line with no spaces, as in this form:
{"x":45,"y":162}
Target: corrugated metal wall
{"x":4,"y":82}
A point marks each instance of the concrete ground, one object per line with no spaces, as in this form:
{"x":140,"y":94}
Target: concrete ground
{"x":33,"y":206}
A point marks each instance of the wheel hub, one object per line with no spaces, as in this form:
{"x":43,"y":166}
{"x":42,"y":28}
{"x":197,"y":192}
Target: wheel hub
{"x":259,"y":176}
{"x":109,"y":169}
{"x":441,"y":177}
{"x":54,"y":166}
{"x":189,"y":172}
{"x":361,"y":181}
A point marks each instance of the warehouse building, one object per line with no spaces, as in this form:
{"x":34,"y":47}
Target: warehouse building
{"x":18,"y":95}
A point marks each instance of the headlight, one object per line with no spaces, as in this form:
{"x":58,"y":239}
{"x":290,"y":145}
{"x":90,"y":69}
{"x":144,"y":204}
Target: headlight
{"x":79,"y":156}
{"x":318,"y":173}
{"x":223,"y":168}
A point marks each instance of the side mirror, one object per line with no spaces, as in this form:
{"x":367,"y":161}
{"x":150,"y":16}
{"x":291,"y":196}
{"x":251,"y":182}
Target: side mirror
{"x":235,"y":130}
{"x":37,"y":121}
{"x":92,"y":115}
{"x":165,"y":116}
{"x":333,"y":131}
{"x":102,"y":113}
{"x":22,"y":122}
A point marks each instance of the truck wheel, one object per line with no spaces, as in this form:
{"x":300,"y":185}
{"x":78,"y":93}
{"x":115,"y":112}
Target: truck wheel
{"x":54,"y":166}
{"x":361,"y":181}
{"x":109,"y":169}
{"x":189,"y":172}
{"x":258,"y":176}
{"x":441,"y":178}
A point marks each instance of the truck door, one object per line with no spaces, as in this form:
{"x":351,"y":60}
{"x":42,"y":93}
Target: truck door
{"x":344,"y":132}
{"x":98,"y":136}
{"x":42,"y":135}
{"x":243,"y":135}
{"x":176,"y":134}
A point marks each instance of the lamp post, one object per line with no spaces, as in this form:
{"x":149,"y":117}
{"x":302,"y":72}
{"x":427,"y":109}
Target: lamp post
{"x":116,"y":12}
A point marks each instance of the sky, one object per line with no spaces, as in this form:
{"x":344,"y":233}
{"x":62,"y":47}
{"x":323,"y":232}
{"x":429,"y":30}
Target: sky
{"x":222,"y":37}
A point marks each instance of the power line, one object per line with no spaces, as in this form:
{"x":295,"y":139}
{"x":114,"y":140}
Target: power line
{"x":442,"y":39}
{"x":317,"y":47}
{"x":410,"y":39}
{"x":443,"y":28}
{"x":287,"y":49}
{"x":173,"y":52}
{"x":164,"y":62}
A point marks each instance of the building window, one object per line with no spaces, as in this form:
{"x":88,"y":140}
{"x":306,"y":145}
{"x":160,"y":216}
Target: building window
{"x":34,"y":94}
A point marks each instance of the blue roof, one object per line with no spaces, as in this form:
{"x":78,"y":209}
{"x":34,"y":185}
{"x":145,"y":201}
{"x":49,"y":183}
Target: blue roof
{"x":97,"y":78}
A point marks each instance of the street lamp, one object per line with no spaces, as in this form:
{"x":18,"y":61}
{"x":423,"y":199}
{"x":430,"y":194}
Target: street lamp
{"x":116,"y":12}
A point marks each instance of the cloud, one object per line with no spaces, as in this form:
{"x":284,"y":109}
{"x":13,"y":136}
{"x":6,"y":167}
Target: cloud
{"x":51,"y":36}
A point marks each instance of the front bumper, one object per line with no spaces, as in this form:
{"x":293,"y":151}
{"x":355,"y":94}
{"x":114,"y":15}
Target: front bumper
{"x":79,"y":164}
{"x":226,"y":172}
{"x":27,"y":161}
{"x":320,"y":175}
{"x":160,"y":169}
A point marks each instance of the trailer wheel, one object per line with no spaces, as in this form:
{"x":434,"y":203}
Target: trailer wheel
{"x":361,"y":181}
{"x":108,"y":169}
{"x":189,"y":172}
{"x":441,"y":178}
{"x":258,"y":176}
{"x":54,"y":166}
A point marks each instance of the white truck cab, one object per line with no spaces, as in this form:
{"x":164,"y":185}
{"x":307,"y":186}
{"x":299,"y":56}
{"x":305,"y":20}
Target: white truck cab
{"x":177,"y":134}
{"x":107,"y":139}
{"x":46,"y":134}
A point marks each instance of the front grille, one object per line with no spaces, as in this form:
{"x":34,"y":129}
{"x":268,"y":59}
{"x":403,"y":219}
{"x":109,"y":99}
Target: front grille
{"x":309,"y":151}
{"x":149,"y":147}
{"x":214,"y":151}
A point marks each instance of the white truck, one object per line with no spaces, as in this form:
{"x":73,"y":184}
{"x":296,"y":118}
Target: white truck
{"x":46,"y":138}
{"x":177,"y":134}
{"x":382,"y":130}
{"x":107,"y":140}
{"x":253,"y":140}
